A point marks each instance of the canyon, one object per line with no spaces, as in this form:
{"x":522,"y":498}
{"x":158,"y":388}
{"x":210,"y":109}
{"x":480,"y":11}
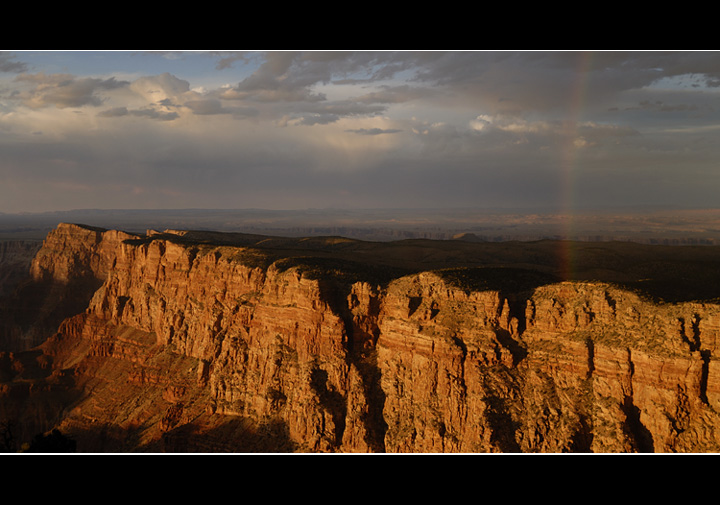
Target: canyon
{"x":207,"y":342}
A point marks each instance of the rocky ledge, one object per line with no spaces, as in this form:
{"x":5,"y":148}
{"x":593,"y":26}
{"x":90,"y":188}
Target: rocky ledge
{"x":186,"y":341}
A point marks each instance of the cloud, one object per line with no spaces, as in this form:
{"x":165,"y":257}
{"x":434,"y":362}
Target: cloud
{"x":512,"y":124}
{"x":159,"y":88}
{"x":283,"y":77}
{"x":396,"y":94}
{"x":147,"y":112}
{"x":213,"y":106}
{"x":424,"y":128}
{"x":114,"y":112}
{"x":373,"y":131}
{"x":294,"y":76}
{"x":8,"y":65}
{"x":330,"y":112}
{"x":208,"y":106}
{"x":557,"y":82}
{"x":62,"y":90}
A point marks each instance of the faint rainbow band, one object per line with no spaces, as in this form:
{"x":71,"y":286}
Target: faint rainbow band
{"x":569,"y":161}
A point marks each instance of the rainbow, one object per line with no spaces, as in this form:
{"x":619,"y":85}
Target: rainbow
{"x":568,"y":158}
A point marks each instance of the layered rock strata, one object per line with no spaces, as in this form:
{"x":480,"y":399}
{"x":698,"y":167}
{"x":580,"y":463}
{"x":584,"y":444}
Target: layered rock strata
{"x":197,"y":346}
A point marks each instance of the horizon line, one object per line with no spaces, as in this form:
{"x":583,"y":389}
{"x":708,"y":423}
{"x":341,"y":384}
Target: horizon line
{"x":534,"y":208}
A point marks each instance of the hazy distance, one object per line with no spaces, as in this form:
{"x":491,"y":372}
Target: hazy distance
{"x":648,"y":225}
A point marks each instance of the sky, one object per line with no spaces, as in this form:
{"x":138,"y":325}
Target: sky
{"x":358,"y":129}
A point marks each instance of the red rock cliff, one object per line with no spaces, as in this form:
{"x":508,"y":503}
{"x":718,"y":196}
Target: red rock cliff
{"x":192,"y":346}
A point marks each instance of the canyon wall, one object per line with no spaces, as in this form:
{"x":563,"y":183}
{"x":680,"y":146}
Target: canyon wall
{"x":15,"y":259}
{"x":186,"y":345}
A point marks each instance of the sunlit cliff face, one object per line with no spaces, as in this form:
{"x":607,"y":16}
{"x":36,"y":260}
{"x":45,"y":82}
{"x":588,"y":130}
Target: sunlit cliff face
{"x":191,"y":342}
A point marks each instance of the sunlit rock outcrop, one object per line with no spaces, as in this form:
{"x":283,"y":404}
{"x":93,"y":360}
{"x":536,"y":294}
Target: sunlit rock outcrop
{"x":175,"y":343}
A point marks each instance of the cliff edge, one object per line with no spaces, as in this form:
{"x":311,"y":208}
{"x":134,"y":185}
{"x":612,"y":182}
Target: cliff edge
{"x":183,"y":341}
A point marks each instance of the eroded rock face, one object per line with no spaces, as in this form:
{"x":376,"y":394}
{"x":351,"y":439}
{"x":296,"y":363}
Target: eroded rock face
{"x":186,"y":346}
{"x":646,"y":371}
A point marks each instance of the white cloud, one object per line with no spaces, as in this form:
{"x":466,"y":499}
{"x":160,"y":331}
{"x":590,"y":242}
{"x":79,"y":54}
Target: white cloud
{"x":161,"y":88}
{"x":481,"y":122}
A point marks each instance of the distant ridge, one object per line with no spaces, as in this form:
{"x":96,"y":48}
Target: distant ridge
{"x":642,"y":225}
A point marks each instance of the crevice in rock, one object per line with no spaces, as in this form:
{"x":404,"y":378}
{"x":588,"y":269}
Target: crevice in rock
{"x":509,"y":337}
{"x":517,"y":305}
{"x":581,"y":440}
{"x":611,"y":303}
{"x":505,"y":338}
{"x":336,"y":294}
{"x":331,"y":400}
{"x":591,"y":357}
{"x":463,"y":347}
{"x":695,"y":325}
{"x":705,"y":355}
{"x":691,"y":337}
{"x":363,"y":354}
{"x":376,"y":425}
{"x":413,"y":304}
{"x":502,"y":425}
{"x":640,"y":435}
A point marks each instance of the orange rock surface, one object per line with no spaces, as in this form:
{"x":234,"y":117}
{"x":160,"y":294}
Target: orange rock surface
{"x":191,"y":346}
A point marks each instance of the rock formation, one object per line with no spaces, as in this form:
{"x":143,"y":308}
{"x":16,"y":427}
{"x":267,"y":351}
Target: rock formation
{"x":200,"y":342}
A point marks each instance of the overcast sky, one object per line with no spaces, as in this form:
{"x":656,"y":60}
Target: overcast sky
{"x":284,"y":130}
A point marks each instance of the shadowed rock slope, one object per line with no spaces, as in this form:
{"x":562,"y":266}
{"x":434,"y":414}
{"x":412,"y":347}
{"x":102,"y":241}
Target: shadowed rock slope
{"x":182,"y":341}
